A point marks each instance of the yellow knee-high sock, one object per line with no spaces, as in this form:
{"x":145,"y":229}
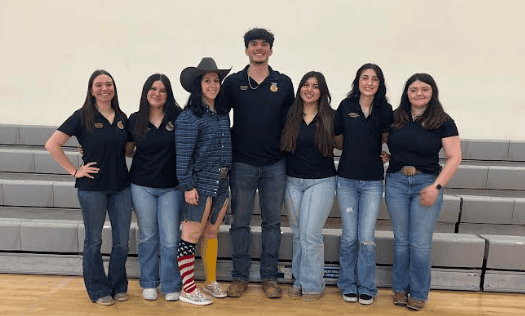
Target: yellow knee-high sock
{"x":209,"y":248}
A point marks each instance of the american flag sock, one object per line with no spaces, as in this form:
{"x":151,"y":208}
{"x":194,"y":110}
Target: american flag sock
{"x":186,"y":261}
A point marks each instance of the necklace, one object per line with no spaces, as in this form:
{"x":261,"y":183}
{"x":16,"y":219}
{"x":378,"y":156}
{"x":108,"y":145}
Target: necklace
{"x":250,"y":84}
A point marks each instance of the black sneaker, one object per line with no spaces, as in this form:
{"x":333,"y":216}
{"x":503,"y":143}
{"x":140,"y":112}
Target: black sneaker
{"x":366,"y":299}
{"x":350,"y":297}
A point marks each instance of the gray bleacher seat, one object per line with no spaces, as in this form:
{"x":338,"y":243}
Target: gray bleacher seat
{"x":487,"y":210}
{"x":16,"y":160}
{"x":506,"y":178}
{"x":28,"y":193}
{"x":9,"y":134}
{"x":49,"y":236}
{"x":35,"y":134}
{"x":518,"y":216}
{"x":516,"y":150}
{"x":493,"y":229}
{"x":486,"y":149}
{"x":65,"y":195}
{"x":469,"y":177}
{"x":505,"y":263}
{"x":44,"y":162}
{"x":10,"y":233}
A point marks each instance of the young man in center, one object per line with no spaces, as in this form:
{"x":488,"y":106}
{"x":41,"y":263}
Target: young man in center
{"x":260,"y":98}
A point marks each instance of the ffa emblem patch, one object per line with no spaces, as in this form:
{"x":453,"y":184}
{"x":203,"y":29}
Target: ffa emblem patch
{"x":120,"y":125}
{"x":169,"y":126}
{"x":273,"y":87}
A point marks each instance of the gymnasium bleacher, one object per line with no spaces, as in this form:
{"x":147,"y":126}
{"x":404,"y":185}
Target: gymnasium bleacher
{"x":479,"y":243}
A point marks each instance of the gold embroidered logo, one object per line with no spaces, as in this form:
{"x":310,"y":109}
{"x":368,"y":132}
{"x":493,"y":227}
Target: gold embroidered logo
{"x":120,"y":125}
{"x":243,"y":88}
{"x":273,"y":87}
{"x":353,"y":115}
{"x":99,"y":125}
{"x":169,"y":126}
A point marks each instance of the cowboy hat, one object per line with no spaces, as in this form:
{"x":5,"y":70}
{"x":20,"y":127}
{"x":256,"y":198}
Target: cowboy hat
{"x":207,"y":64}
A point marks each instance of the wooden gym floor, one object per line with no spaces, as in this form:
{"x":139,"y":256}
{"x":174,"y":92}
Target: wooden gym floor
{"x":63,"y":295}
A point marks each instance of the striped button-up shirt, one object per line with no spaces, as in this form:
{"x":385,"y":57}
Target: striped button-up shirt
{"x":203,"y":145}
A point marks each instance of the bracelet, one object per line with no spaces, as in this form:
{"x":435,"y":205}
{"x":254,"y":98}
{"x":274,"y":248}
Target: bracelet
{"x":439,"y":186}
{"x":74,"y":174}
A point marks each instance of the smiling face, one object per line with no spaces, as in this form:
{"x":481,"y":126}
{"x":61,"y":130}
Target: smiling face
{"x":368,"y":83}
{"x":310,"y":92}
{"x":211,"y":85}
{"x":258,"y":52}
{"x":103,"y":89}
{"x":157,"y":94}
{"x":419,"y":94}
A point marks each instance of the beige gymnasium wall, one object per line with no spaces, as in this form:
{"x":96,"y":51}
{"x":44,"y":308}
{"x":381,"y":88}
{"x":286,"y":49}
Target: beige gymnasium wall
{"x":474,"y":50}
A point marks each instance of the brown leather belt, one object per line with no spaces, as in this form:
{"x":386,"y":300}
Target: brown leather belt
{"x":409,"y":171}
{"x":223,"y":172}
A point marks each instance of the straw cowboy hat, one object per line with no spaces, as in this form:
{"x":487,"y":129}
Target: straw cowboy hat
{"x":207,"y":64}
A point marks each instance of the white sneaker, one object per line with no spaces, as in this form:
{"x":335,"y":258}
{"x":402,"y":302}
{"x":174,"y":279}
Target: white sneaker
{"x":173,"y":296}
{"x":215,"y":290}
{"x":149,"y":294}
{"x":195,"y":298}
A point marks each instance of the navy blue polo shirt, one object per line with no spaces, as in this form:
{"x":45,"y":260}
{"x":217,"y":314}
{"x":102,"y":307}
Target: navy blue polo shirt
{"x":154,"y":160}
{"x":306,"y":162}
{"x":361,"y":157}
{"x":259,"y":112}
{"x":105,"y":145}
{"x":413,"y":145}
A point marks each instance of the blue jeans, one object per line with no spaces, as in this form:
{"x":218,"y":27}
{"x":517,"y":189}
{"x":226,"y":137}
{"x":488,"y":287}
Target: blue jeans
{"x":413,"y":228}
{"x":94,"y":205}
{"x":309,"y":201}
{"x":244,"y":181}
{"x":158,"y":213}
{"x":359,"y":203}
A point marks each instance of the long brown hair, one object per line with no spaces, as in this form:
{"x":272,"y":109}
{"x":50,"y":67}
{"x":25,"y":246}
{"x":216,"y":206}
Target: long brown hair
{"x":434,"y":115}
{"x":324,"y":138}
{"x":88,"y":110}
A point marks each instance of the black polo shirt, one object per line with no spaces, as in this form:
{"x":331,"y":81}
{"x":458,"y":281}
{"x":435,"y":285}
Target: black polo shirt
{"x":306,"y":162}
{"x":154,"y":161}
{"x":361,"y":157}
{"x":259,"y":113}
{"x":413,"y":145}
{"x":105,"y":146}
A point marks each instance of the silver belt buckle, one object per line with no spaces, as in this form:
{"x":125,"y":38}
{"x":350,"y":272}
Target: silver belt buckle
{"x":223,"y":172}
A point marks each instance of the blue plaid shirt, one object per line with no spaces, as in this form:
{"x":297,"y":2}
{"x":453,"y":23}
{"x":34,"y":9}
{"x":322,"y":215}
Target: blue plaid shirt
{"x":203,"y":145}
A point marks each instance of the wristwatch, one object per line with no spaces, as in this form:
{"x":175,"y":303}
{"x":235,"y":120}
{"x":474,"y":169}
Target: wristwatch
{"x":439,"y":186}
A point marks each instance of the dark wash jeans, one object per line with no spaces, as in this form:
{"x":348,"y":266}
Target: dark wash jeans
{"x":94,"y":205}
{"x":244,"y":181}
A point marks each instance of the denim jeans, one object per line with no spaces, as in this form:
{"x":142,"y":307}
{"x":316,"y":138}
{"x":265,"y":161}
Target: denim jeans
{"x":244,"y":181}
{"x":359,"y":203}
{"x":94,"y":205}
{"x":309,"y":201}
{"x":413,"y":228}
{"x":158,"y":213}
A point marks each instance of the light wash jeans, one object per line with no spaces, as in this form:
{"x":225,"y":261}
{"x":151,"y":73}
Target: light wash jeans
{"x":413,"y":226}
{"x":244,"y":181}
{"x":94,"y":205}
{"x":158,"y":213}
{"x":359,"y":203}
{"x":309,"y":202}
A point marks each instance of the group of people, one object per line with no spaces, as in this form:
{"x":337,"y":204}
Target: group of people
{"x":186,"y":161}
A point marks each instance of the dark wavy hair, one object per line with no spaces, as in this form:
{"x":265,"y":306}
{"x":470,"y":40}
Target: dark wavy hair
{"x":258,"y":34}
{"x":195,"y":104}
{"x":171,"y":107}
{"x":324,"y":138}
{"x":89,"y":109}
{"x":380,"y":98}
{"x":434,"y":115}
